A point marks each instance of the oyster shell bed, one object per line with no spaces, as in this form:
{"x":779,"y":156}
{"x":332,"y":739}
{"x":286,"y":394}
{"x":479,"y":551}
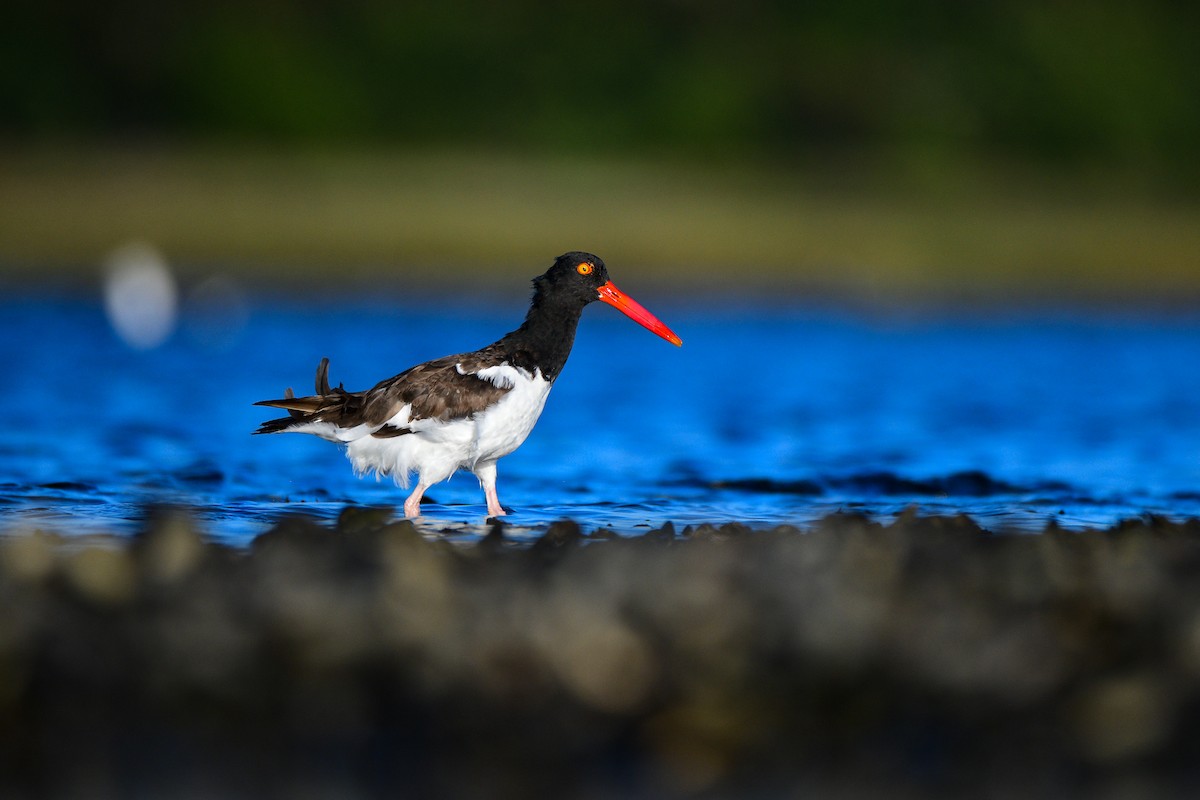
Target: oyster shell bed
{"x":374,"y":658}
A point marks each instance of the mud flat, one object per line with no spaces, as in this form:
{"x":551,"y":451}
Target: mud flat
{"x":927,"y":657}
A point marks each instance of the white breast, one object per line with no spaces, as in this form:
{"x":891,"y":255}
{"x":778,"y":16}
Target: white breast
{"x":503,"y":427}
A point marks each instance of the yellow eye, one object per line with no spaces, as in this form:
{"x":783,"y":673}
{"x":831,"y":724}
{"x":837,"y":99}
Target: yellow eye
{"x":584,"y":268}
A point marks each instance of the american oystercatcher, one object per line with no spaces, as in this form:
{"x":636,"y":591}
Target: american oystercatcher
{"x":463,"y":411}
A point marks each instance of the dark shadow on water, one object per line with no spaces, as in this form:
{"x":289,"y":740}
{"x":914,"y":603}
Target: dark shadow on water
{"x":967,"y":483}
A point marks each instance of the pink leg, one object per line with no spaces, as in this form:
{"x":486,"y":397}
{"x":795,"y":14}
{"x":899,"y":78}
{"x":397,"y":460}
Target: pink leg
{"x":487,"y":479}
{"x":412,"y":506}
{"x":493,"y":502}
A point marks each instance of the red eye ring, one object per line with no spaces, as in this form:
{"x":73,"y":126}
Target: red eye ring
{"x":584,"y":268}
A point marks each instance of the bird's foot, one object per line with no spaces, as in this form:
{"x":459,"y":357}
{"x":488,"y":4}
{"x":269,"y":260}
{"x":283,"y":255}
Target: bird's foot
{"x":493,"y":501}
{"x":412,"y":510}
{"x":412,"y":506}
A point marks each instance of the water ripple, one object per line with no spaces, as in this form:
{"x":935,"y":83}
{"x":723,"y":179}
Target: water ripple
{"x":761,"y":418}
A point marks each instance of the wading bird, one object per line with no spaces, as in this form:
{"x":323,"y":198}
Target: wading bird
{"x":463,"y":411}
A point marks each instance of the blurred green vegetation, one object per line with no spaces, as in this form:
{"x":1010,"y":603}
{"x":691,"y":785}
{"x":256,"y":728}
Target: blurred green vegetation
{"x":988,"y":145}
{"x":312,"y":217}
{"x":1109,"y":79}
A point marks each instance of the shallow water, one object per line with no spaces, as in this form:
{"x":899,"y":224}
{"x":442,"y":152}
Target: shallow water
{"x":764,"y":416}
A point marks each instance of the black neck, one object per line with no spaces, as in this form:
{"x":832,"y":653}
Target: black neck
{"x":544,"y":340}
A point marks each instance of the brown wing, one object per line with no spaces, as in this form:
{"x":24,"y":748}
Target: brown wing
{"x":434,"y":390}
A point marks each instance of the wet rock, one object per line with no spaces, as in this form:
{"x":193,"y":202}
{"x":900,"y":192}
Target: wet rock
{"x":494,"y":541}
{"x":564,"y":533}
{"x":359,"y":519}
{"x":29,"y":558}
{"x":734,"y":529}
{"x":846,"y":657}
{"x":603,"y":534}
{"x":1121,"y":718}
{"x":666,"y":533}
{"x":399,"y":533}
{"x":703,"y":531}
{"x":104,"y":576}
{"x":169,"y":550}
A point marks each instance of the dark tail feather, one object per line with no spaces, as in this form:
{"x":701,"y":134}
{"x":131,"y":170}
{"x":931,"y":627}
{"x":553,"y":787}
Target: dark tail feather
{"x":299,"y":408}
{"x":290,"y":395}
{"x":278,"y":425}
{"x":322,"y":385}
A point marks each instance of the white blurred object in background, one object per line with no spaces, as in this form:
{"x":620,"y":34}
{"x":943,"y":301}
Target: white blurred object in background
{"x":140,"y":296}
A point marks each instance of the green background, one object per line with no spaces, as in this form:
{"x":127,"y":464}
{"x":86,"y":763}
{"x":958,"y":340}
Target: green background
{"x":1012,"y":148}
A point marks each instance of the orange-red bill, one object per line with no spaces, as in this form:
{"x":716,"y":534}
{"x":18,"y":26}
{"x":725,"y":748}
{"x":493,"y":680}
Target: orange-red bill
{"x":632,"y":309}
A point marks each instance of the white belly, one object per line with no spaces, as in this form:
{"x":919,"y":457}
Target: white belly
{"x":435,"y":450}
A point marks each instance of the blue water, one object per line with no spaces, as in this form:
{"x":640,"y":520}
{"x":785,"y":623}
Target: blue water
{"x":765,"y":415}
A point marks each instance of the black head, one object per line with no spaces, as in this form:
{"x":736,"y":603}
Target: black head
{"x":575,"y":278}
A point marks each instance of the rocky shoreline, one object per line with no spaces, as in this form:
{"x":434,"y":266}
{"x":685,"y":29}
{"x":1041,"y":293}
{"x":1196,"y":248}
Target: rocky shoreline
{"x":368,"y":658}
